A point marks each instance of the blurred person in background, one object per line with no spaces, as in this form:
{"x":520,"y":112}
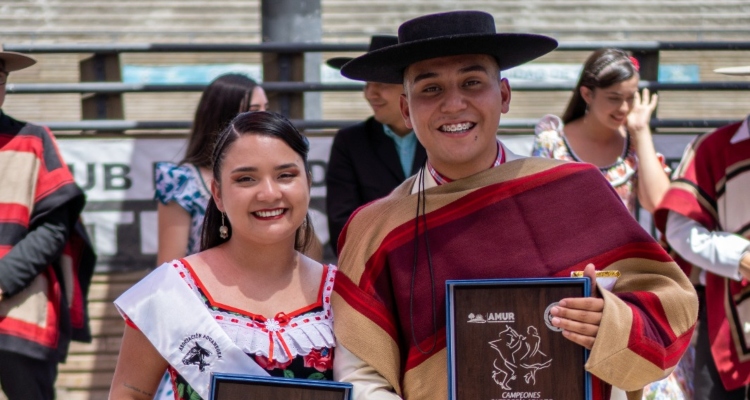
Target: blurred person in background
{"x":250,"y":301}
{"x":606,"y":123}
{"x":705,"y":216}
{"x":46,"y":260}
{"x":371,"y":158}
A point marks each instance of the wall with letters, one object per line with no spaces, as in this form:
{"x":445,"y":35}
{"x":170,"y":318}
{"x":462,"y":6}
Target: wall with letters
{"x":120,"y":214}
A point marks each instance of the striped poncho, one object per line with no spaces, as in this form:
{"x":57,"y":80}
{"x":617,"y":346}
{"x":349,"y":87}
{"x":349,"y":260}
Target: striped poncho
{"x":712,"y":187}
{"x":41,"y":318}
{"x":527,"y":218}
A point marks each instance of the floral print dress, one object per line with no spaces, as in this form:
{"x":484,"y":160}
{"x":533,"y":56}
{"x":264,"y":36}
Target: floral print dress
{"x":298,"y":344}
{"x":183,"y":185}
{"x":550,"y":142}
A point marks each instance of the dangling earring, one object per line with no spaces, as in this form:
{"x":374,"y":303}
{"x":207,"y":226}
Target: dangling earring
{"x":223,"y":230}
{"x":587,"y":109}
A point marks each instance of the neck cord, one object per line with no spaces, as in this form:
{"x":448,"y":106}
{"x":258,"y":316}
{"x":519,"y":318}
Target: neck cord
{"x":422,"y":199}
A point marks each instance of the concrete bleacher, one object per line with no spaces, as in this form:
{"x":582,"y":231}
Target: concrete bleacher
{"x":88,"y":372}
{"x":570,"y":20}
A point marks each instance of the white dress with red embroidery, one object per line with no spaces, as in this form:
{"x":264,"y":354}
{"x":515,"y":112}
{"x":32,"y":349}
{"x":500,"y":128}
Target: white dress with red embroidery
{"x":298,"y":344}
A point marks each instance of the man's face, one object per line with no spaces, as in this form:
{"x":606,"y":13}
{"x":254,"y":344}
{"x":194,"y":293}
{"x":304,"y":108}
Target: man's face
{"x":384,"y":99}
{"x":454,"y":105}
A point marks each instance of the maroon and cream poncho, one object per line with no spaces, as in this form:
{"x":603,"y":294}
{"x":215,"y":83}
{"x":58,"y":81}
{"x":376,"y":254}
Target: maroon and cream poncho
{"x":531,"y":217}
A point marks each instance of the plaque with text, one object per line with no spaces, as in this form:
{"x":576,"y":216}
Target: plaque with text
{"x":243,"y":387}
{"x":502,"y":345}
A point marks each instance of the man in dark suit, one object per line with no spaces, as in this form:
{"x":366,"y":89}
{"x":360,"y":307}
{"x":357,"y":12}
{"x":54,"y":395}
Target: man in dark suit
{"x":371,"y":158}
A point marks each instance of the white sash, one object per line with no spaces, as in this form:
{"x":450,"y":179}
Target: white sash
{"x":183,"y":331}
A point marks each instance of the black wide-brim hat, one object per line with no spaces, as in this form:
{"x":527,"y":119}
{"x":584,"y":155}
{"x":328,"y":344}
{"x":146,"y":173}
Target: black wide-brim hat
{"x":447,"y":34}
{"x":377,"y":42}
{"x":12,"y":61}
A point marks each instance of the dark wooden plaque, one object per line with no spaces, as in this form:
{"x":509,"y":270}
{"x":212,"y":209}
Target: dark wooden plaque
{"x":501,"y":345}
{"x":243,"y":387}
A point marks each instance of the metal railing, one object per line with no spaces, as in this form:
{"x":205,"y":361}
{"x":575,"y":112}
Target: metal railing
{"x":646,"y":52}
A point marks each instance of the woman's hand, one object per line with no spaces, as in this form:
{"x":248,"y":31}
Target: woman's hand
{"x":653,"y":181}
{"x":639,"y":119}
{"x":580,"y":317}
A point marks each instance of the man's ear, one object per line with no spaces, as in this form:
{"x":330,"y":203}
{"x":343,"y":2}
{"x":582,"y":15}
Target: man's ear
{"x":216,"y":194}
{"x":405,"y":113}
{"x":505,"y":92}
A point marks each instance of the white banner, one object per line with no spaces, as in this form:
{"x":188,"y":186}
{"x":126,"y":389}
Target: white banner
{"x":120,"y":214}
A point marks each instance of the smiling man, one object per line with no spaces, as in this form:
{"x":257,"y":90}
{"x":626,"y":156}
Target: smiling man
{"x":371,"y":158}
{"x":477,"y":211}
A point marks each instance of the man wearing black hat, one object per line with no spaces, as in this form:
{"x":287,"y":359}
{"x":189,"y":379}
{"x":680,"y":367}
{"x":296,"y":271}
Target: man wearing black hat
{"x":705,"y":217}
{"x":478,"y":211}
{"x":372,"y":157}
{"x":46,"y":261}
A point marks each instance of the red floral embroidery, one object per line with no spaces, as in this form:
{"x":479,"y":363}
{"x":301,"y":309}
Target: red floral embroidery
{"x":271,"y":364}
{"x":319,"y":359}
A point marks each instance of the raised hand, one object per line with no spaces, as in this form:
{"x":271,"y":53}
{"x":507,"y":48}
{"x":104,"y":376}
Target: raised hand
{"x":640,"y":116}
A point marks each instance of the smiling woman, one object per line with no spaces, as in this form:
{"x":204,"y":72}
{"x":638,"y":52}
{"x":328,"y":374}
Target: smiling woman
{"x":250,"y":302}
{"x":260,"y":163}
{"x":606,"y":124}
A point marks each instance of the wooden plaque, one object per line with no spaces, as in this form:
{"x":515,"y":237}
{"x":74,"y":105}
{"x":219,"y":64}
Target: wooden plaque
{"x":501,"y":344}
{"x":243,"y":387}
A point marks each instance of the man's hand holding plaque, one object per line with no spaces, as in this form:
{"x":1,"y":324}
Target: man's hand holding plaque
{"x":579,"y":317}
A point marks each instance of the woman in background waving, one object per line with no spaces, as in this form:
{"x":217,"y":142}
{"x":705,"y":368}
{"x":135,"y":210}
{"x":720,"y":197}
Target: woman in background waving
{"x":606,"y":124}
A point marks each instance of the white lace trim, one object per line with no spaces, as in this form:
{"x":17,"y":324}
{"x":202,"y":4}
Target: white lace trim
{"x":278,"y":338}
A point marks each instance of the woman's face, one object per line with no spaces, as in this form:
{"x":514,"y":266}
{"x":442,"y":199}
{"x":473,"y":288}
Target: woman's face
{"x":258,"y":100}
{"x":610,"y":106}
{"x":264,"y":190}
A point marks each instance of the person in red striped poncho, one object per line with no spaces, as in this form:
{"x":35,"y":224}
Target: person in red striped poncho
{"x":46,"y":261}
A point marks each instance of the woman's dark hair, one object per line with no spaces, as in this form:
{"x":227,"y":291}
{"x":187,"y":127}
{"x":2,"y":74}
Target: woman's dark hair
{"x":222,"y":100}
{"x":603,"y":68}
{"x":254,"y":123}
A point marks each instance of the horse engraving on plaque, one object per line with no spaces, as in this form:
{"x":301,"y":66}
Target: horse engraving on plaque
{"x":516,"y":351}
